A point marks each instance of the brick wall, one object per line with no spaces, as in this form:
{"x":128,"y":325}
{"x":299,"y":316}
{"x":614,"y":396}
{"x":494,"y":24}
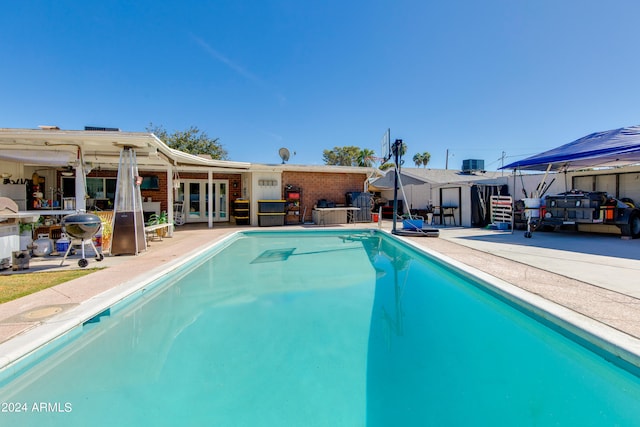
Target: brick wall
{"x":315,"y":186}
{"x":161,"y":194}
{"x":157,"y":195}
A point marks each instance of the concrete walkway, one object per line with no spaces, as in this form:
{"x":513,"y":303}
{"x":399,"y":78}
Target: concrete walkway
{"x":594,"y":275}
{"x":602,"y":260}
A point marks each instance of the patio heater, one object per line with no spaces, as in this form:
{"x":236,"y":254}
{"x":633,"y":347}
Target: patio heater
{"x":128,"y":218}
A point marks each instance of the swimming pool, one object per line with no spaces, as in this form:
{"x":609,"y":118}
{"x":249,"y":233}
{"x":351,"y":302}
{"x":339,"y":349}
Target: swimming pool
{"x":319,"y":328}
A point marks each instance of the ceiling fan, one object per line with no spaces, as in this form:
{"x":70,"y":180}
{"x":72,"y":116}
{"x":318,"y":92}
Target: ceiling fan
{"x":67,"y":171}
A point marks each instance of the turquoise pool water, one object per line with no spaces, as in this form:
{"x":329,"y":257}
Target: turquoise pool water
{"x":319,"y":329}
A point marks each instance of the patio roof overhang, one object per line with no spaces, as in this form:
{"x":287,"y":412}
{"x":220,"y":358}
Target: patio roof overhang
{"x":63,"y":147}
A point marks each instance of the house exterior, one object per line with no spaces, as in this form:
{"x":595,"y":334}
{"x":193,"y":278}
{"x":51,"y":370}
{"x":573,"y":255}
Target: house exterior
{"x":314,"y":182}
{"x":208,"y":189}
{"x":78,"y":169}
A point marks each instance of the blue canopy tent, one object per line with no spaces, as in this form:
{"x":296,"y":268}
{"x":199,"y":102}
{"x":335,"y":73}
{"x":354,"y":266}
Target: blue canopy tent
{"x":615,"y":147}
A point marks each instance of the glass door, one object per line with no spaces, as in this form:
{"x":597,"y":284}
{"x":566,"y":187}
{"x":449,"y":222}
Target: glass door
{"x":220,"y":200}
{"x":195,"y":194}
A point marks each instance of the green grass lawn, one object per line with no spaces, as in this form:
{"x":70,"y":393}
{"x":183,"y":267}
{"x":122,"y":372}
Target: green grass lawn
{"x":15,"y":286}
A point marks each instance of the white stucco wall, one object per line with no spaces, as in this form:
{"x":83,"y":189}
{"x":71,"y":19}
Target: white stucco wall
{"x":264,"y":186}
{"x":419,"y":196}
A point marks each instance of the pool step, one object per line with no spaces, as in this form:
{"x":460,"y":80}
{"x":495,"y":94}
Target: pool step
{"x":98,"y":317}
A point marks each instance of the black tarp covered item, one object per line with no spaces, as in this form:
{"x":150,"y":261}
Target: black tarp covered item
{"x":480,"y":202}
{"x":360,"y":200}
{"x":615,"y":147}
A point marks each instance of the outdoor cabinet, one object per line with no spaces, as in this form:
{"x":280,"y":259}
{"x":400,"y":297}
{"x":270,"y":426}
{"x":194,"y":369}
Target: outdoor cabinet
{"x":271,"y":212}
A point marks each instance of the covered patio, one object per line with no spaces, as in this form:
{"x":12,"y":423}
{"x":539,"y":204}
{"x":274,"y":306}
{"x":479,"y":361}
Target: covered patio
{"x":61,"y":156}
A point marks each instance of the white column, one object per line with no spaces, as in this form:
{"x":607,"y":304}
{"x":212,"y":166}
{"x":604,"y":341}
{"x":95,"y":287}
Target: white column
{"x":170,"y":192}
{"x":81,"y":189}
{"x":210,"y":198}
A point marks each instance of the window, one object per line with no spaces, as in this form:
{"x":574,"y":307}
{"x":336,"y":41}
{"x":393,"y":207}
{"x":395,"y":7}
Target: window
{"x":101,"y":192}
{"x":68,"y":187}
{"x":150,"y":183}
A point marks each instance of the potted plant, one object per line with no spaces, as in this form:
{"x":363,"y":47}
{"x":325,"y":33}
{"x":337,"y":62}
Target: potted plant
{"x":161,"y":218}
{"x":26,"y":235}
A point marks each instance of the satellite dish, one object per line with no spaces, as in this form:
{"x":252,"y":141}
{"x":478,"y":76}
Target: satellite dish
{"x":284,"y":154}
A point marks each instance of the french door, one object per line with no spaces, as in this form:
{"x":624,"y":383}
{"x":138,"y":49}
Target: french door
{"x":195,"y":195}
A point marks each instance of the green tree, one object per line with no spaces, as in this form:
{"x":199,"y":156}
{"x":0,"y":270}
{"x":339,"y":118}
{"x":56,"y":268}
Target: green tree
{"x":422,"y":159}
{"x":342,"y":156}
{"x":417,"y":159}
{"x":191,"y":140}
{"x":389,"y":163}
{"x":365,"y":157}
{"x":426,"y":157}
{"x":385,"y":166}
{"x":403,"y":150}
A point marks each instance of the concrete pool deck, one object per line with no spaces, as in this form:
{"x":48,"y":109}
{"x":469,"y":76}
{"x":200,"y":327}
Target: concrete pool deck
{"x":597,"y":276}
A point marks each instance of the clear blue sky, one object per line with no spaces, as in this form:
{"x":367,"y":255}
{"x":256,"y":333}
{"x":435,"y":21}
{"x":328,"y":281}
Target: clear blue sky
{"x":475,"y":77}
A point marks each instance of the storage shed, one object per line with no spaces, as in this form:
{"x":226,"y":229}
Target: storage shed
{"x":454,"y":193}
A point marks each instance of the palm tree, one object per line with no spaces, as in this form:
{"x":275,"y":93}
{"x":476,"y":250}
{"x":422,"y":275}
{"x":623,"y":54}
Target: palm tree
{"x":365,"y":157}
{"x":426,"y":156}
{"x":417,"y":159}
{"x":385,"y":166}
{"x":422,"y":159}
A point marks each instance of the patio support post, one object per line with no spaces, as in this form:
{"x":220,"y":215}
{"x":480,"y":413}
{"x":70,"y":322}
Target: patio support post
{"x":210,"y":197}
{"x":513,"y":204}
{"x":170,"y":191}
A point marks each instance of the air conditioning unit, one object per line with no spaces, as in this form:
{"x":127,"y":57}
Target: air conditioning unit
{"x":472,"y":165}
